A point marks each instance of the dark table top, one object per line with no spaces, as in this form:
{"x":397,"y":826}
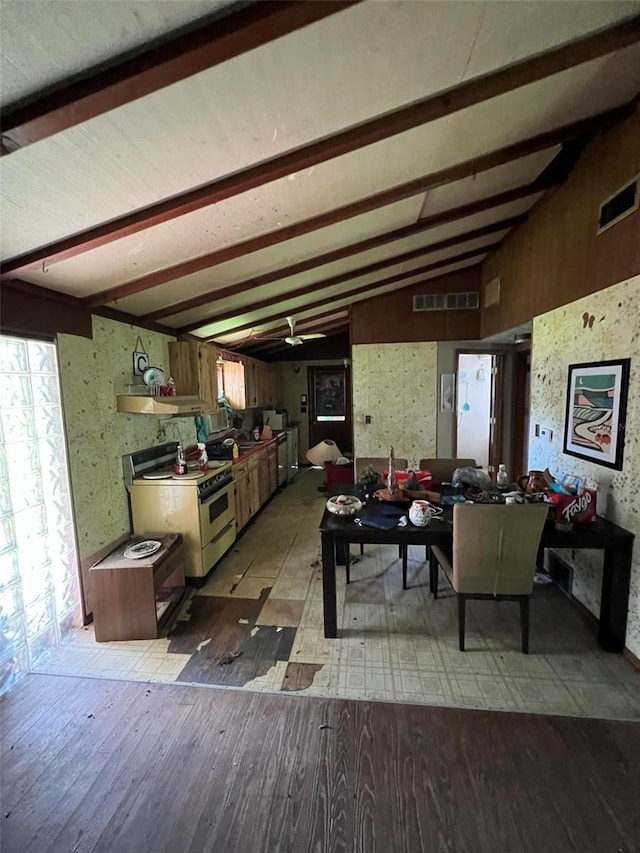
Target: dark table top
{"x":440,"y":529}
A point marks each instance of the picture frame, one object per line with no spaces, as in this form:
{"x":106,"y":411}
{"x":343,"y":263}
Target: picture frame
{"x":447,"y":392}
{"x":596,"y":411}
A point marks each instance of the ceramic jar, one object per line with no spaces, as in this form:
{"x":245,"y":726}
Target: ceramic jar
{"x":420,"y":513}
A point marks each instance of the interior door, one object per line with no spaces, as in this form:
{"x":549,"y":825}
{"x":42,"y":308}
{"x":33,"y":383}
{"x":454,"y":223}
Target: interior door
{"x":329,"y":389}
{"x":479,"y":406}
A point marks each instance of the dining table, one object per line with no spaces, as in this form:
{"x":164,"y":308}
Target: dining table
{"x":338,"y":532}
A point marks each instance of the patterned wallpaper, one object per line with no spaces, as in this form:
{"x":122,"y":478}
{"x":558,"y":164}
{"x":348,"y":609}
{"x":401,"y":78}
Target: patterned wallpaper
{"x":397,"y":385}
{"x":92,"y":372}
{"x":560,"y":338}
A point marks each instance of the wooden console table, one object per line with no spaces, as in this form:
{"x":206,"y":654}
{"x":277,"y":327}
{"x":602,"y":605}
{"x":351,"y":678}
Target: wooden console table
{"x":135,"y":599}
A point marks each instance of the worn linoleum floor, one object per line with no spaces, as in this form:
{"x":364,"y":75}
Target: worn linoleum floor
{"x":257,"y":624}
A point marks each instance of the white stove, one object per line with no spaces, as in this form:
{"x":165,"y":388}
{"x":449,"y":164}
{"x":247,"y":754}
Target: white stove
{"x":198,"y":504}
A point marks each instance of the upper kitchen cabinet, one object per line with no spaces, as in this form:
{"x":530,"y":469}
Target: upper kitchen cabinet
{"x":249,"y":383}
{"x":193,"y":367}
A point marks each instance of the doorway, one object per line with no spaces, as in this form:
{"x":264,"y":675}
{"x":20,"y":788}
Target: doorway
{"x":479,"y":383}
{"x":330,"y":406}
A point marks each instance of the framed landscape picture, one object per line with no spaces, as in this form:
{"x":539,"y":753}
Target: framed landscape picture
{"x":596,"y":411}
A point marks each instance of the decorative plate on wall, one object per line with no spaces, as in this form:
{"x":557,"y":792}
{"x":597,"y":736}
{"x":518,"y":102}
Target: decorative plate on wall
{"x":153,"y":376}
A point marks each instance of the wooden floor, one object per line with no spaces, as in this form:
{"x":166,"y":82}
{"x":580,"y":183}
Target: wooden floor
{"x":92,"y":765}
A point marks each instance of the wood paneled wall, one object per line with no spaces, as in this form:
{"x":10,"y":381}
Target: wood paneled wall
{"x":34,"y":312}
{"x":390,"y":318}
{"x":556,"y":256}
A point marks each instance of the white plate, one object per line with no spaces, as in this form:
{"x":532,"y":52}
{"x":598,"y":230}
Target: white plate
{"x":142,"y":549}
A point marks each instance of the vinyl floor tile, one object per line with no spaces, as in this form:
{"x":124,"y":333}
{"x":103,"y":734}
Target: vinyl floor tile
{"x":264,"y":600}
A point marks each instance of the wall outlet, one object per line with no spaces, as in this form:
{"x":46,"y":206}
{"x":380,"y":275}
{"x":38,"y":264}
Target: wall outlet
{"x":546,"y":434}
{"x":367,"y":419}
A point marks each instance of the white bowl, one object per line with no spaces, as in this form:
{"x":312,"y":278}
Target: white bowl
{"x":344,"y":505}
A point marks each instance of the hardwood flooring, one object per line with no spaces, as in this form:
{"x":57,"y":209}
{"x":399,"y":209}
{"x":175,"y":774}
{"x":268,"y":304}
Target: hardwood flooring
{"x":97,"y":765}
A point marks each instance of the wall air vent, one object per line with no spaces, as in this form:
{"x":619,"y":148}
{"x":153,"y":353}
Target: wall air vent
{"x":445,"y":301}
{"x":620,"y":204}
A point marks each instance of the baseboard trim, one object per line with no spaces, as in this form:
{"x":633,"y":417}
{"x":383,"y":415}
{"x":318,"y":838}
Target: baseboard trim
{"x":633,"y":659}
{"x":593,"y":622}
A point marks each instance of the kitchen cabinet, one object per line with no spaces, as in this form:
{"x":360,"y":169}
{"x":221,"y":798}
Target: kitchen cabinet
{"x":249,"y":383}
{"x":255,"y":497}
{"x":242,"y":497}
{"x":193,"y":366}
{"x":253,"y":479}
{"x":272,"y":457}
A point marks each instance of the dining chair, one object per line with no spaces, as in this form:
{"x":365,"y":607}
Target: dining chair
{"x":493,"y":557}
{"x":442,"y":469}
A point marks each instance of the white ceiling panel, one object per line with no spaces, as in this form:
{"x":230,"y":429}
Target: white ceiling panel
{"x":484,"y":184}
{"x":47,"y":41}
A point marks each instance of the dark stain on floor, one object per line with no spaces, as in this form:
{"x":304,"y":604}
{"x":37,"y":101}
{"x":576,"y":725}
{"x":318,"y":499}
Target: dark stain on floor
{"x":300,"y":675}
{"x":232,"y":656}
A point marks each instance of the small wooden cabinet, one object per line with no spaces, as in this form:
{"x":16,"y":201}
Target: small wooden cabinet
{"x":193,"y":366}
{"x":135,"y":599}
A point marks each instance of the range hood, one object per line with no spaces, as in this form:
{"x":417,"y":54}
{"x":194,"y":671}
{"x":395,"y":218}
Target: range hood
{"x":146,"y":405}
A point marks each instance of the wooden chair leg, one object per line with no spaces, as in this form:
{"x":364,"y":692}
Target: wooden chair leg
{"x":434,"y":574}
{"x":404,"y":550}
{"x":461,"y":616}
{"x":524,"y":623}
{"x":347,"y":564}
{"x":362,"y":547}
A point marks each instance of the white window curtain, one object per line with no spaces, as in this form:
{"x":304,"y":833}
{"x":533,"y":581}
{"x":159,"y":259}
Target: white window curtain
{"x":39,"y":591}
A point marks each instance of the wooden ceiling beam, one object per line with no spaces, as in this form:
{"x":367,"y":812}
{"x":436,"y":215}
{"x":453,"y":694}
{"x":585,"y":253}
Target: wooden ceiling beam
{"x":197,"y":47}
{"x":384,"y":239}
{"x":421,"y":112}
{"x":585,"y":128}
{"x":315,"y":287}
{"x":366,"y":288}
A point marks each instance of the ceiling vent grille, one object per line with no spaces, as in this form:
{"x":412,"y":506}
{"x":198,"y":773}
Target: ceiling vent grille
{"x":445,"y":301}
{"x":620,"y":204}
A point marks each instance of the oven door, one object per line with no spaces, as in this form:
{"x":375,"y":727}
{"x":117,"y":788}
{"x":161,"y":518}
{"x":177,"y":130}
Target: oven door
{"x":216,"y":512}
{"x":217,"y":526}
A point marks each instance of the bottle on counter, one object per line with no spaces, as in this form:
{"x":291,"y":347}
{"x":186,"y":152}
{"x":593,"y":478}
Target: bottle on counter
{"x":181,"y":461}
{"x":235,"y":452}
{"x":502,"y":478}
{"x":203,"y":459}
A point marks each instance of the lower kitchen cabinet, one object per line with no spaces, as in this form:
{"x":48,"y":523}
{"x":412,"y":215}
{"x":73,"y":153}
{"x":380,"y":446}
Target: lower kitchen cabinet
{"x":241,"y":488}
{"x":273,"y":468}
{"x":254,"y":481}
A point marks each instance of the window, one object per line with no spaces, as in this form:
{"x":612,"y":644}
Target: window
{"x":39,"y":591}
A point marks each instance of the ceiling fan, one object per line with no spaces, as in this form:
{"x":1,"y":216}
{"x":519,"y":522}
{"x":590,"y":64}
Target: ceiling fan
{"x":295,"y":340}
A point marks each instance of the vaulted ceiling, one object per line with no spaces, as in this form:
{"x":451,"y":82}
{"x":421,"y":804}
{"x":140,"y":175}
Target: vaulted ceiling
{"x":212,"y":167}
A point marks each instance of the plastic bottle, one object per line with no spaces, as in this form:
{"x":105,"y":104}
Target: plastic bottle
{"x":235,"y":452}
{"x":502,"y":478}
{"x":181,"y":461}
{"x":203,"y":459}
